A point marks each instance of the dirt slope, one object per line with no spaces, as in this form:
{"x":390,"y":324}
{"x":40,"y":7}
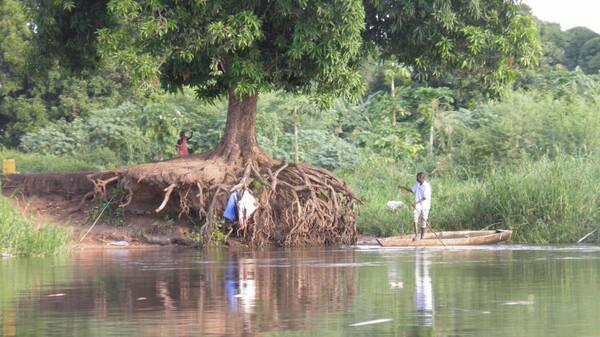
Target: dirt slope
{"x":59,"y":199}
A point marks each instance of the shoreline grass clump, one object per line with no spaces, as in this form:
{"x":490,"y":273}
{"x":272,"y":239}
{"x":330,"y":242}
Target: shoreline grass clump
{"x":543,"y":201}
{"x":20,"y":237}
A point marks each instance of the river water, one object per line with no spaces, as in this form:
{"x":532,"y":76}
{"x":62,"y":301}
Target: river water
{"x":504,"y":290}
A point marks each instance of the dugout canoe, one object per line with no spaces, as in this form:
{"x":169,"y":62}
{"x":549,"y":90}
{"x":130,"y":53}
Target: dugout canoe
{"x":455,"y":238}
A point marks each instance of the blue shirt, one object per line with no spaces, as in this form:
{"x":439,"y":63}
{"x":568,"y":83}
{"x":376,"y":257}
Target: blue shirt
{"x":231,"y":208}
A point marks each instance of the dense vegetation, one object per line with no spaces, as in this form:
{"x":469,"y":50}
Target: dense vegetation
{"x":517,"y":157}
{"x":519,"y":162}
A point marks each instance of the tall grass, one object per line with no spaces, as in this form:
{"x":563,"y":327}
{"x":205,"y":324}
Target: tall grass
{"x":37,"y":163}
{"x":543,"y":201}
{"x":18,"y":236}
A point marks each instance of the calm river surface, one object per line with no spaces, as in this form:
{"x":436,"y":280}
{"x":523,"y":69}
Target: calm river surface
{"x":505,"y":290}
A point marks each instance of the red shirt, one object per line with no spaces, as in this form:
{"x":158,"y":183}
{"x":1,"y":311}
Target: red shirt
{"x":182,"y":148}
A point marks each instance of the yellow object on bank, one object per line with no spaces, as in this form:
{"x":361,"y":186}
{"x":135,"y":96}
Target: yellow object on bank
{"x":9,"y":166}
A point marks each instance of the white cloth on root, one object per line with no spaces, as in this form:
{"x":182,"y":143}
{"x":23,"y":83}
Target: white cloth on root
{"x":246,"y":206}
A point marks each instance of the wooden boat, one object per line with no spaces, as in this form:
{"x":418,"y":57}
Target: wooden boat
{"x":456,"y":238}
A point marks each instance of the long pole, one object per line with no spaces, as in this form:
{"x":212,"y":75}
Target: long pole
{"x":98,"y":218}
{"x":422,"y":217}
{"x":588,"y":234}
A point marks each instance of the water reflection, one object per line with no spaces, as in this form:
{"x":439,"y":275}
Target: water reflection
{"x":240,"y":284}
{"x":467,"y":292}
{"x":9,"y":323}
{"x":423,"y":295}
{"x":424,"y":292}
{"x":192,"y":293}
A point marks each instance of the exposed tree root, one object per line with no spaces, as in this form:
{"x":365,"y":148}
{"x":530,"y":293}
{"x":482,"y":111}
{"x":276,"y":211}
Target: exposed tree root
{"x":298,"y":204}
{"x":100,"y":183}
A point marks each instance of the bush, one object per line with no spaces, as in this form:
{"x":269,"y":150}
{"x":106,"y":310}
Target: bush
{"x":375,"y":182}
{"x":319,"y":148}
{"x":527,"y":125}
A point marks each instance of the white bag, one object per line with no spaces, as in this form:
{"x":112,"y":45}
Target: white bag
{"x":393,"y":204}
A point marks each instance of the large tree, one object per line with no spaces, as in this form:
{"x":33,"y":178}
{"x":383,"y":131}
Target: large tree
{"x":589,"y":57}
{"x":240,"y":48}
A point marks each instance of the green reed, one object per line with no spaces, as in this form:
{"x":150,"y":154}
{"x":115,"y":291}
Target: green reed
{"x":19,"y":236}
{"x":542,"y":201}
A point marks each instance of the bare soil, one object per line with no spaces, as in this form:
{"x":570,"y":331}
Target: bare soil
{"x":59,"y":199}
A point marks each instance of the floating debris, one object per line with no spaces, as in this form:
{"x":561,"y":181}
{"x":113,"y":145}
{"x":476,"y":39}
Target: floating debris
{"x":519,"y":303}
{"x":472,"y":311}
{"x":376,"y":321}
{"x":118,"y":243}
{"x":398,"y":285}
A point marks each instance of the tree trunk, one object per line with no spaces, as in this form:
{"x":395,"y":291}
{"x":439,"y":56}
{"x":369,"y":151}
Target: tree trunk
{"x":239,"y":139}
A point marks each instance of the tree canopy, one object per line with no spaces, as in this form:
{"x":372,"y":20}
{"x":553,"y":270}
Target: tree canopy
{"x":36,"y":87}
{"x":251,"y":46}
{"x":308,"y":45}
{"x":577,"y":38}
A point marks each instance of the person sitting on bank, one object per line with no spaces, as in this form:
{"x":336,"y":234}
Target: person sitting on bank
{"x":182,"y":144}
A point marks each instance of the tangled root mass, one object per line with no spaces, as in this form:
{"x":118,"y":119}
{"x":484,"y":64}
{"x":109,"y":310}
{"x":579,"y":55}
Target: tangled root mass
{"x":298,"y":204}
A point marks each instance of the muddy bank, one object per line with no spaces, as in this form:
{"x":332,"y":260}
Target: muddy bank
{"x":64,"y":199}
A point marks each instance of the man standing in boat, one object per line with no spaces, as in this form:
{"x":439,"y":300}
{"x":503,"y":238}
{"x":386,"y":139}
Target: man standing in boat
{"x":422,"y":204}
